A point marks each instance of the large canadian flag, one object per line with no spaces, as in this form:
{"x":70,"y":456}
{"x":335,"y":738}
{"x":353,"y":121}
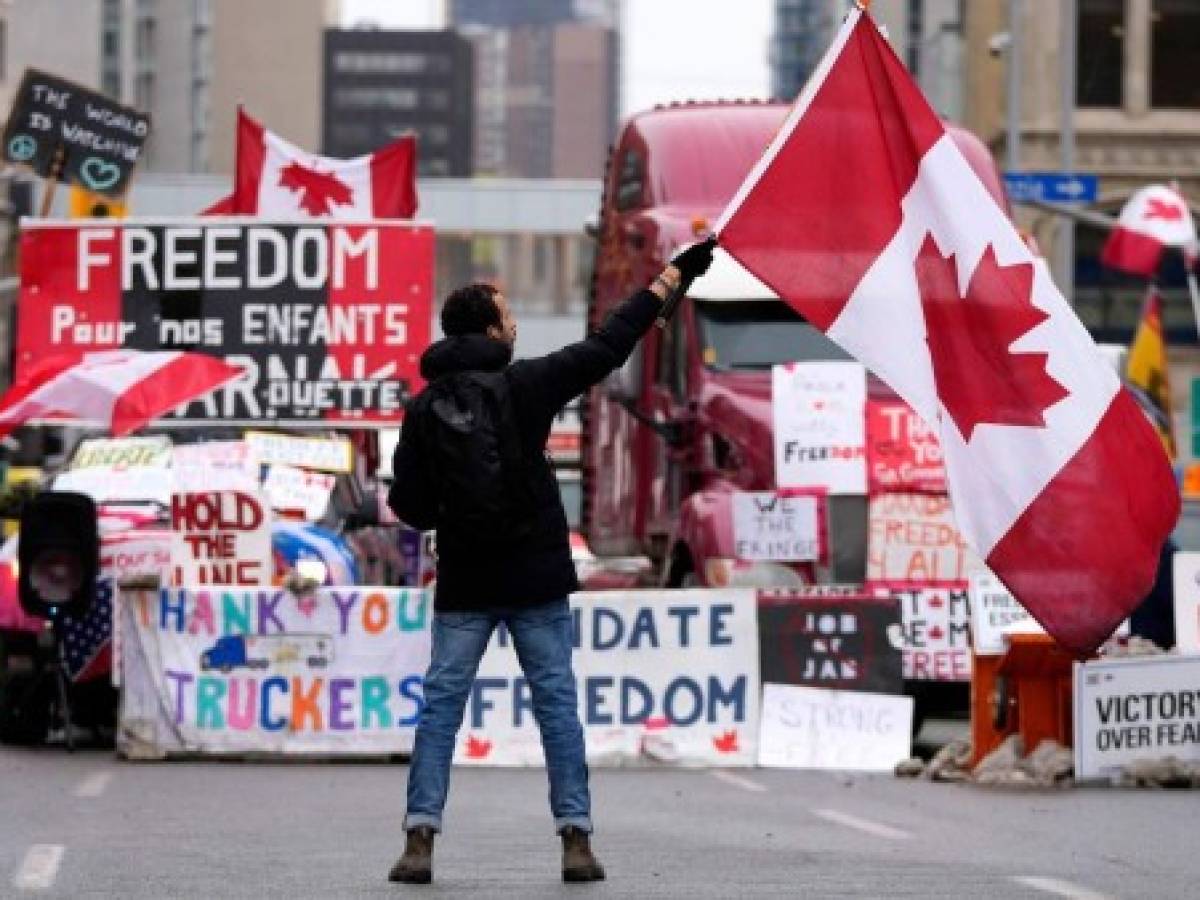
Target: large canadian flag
{"x":866,"y":218}
{"x":1156,"y":217}
{"x":273,"y":178}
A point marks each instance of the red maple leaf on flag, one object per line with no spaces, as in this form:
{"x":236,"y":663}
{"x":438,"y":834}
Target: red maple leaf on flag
{"x":1157,"y":208}
{"x":319,"y":191}
{"x":727,"y":742}
{"x":979,"y":380}
{"x":477,"y":748}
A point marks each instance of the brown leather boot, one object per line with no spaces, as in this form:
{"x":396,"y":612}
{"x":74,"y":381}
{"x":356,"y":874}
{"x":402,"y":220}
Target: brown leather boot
{"x":579,"y":864}
{"x":416,"y":865}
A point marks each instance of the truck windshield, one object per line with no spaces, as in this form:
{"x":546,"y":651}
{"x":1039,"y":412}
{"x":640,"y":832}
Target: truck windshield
{"x":757,"y":334}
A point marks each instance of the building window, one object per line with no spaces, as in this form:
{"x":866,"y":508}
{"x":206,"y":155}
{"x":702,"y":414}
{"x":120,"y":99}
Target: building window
{"x":375,"y":98}
{"x":1101,"y":65}
{"x":1174,"y":53}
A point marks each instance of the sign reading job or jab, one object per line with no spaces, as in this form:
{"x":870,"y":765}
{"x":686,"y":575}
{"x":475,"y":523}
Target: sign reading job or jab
{"x":235,"y":669}
{"x":666,"y":677}
{"x":99,"y":140}
{"x":327,"y":320}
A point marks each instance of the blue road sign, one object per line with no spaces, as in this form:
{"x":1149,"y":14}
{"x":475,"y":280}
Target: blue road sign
{"x":1052,"y":187}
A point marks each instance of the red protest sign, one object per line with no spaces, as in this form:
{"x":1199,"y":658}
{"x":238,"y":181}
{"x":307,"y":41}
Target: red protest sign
{"x":327,"y":319}
{"x":903,"y":453}
{"x":220,"y":538}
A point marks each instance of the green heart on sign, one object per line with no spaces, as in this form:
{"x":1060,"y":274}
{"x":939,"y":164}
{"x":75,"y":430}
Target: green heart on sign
{"x":99,"y":175}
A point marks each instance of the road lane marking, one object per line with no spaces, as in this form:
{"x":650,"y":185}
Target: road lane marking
{"x":736,"y":780}
{"x":39,"y":867}
{"x":1058,"y":887}
{"x":94,"y":785}
{"x":875,"y":829}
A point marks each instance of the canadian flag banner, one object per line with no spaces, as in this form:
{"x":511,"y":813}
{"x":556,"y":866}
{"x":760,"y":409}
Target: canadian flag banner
{"x":275,"y":179}
{"x":1156,"y":217}
{"x":865,"y":217}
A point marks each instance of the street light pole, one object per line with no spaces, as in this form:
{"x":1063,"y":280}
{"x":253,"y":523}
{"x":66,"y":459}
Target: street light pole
{"x":1012,"y":148}
{"x":1068,"y":49}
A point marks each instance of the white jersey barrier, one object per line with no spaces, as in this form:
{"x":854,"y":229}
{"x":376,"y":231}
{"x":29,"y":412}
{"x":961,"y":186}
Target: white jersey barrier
{"x":664,"y":676}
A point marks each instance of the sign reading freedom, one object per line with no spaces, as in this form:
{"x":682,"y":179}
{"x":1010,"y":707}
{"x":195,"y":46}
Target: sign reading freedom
{"x":328,"y":320}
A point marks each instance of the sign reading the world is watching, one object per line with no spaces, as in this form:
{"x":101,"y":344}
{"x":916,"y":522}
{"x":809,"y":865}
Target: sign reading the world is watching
{"x":96,"y":141}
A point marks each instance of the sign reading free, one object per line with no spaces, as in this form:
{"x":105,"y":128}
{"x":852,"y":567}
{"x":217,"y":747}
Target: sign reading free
{"x":99,"y":140}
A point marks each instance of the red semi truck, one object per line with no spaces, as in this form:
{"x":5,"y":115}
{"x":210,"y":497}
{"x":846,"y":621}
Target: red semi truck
{"x":667,"y":440}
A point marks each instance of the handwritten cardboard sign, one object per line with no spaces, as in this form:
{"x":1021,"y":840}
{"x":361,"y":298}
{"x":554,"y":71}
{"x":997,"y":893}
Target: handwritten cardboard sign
{"x":323,"y":454}
{"x":121,"y":453}
{"x":912,"y":538}
{"x":289,"y":488}
{"x":768,"y":526}
{"x":100,"y":140}
{"x":813,"y":728}
{"x":820,"y":426}
{"x":220,"y":538}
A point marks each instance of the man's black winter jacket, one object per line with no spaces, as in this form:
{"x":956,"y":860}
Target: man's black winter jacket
{"x":539,"y":569}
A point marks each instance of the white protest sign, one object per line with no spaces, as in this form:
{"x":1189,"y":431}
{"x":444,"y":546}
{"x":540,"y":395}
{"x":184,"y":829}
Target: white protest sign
{"x":339,"y":670}
{"x":935,"y":620}
{"x":816,"y":728}
{"x":1140,"y":708}
{"x":663,"y":676}
{"x":819,"y":411}
{"x":220,"y":537}
{"x":1186,"y":566}
{"x":108,"y":485}
{"x":773,"y":527}
{"x":214,"y":466}
{"x":287,"y":487}
{"x":324,"y":454}
{"x":995,"y":612}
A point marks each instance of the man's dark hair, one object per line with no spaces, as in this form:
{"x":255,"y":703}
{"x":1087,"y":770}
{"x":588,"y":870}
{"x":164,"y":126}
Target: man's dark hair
{"x":470,"y":310}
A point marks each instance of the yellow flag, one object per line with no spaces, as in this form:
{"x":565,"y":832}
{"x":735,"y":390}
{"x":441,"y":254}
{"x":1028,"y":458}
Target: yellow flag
{"x":1146,"y":370}
{"x":85,"y":204}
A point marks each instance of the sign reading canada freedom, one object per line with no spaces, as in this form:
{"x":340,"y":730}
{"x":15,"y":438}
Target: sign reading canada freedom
{"x":99,"y":139}
{"x":327,"y":320}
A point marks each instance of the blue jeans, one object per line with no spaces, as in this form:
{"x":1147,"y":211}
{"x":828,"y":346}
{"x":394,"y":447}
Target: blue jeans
{"x":542,"y":638}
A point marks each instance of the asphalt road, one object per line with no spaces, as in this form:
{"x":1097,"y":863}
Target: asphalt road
{"x":89,"y":825}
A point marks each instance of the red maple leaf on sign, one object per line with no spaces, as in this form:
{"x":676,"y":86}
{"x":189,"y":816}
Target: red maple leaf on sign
{"x":477,"y":748}
{"x":319,"y":191}
{"x":727,"y":742}
{"x":979,"y":379}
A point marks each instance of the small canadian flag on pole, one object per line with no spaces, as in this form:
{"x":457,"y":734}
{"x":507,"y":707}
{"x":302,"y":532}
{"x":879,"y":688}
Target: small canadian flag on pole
{"x":276,"y":179}
{"x":865,"y":217}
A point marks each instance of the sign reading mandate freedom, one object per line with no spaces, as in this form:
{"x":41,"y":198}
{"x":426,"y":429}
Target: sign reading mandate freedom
{"x":327,"y":319}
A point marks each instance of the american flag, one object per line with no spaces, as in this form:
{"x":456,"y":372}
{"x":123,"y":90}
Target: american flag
{"x":87,"y":641}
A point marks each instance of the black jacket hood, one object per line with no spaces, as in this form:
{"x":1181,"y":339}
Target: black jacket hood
{"x":464,"y":353}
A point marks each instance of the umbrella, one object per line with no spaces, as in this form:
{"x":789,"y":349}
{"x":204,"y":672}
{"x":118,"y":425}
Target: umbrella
{"x":123,"y":389}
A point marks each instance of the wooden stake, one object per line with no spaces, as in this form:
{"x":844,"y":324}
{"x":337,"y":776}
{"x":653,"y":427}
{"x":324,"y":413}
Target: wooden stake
{"x":56,"y":169}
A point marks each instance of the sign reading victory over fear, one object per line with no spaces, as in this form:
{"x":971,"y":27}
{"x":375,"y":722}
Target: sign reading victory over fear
{"x":327,"y":320}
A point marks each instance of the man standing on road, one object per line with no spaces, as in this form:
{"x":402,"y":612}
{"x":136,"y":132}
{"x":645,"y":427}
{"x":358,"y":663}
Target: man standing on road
{"x":471,"y":465}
